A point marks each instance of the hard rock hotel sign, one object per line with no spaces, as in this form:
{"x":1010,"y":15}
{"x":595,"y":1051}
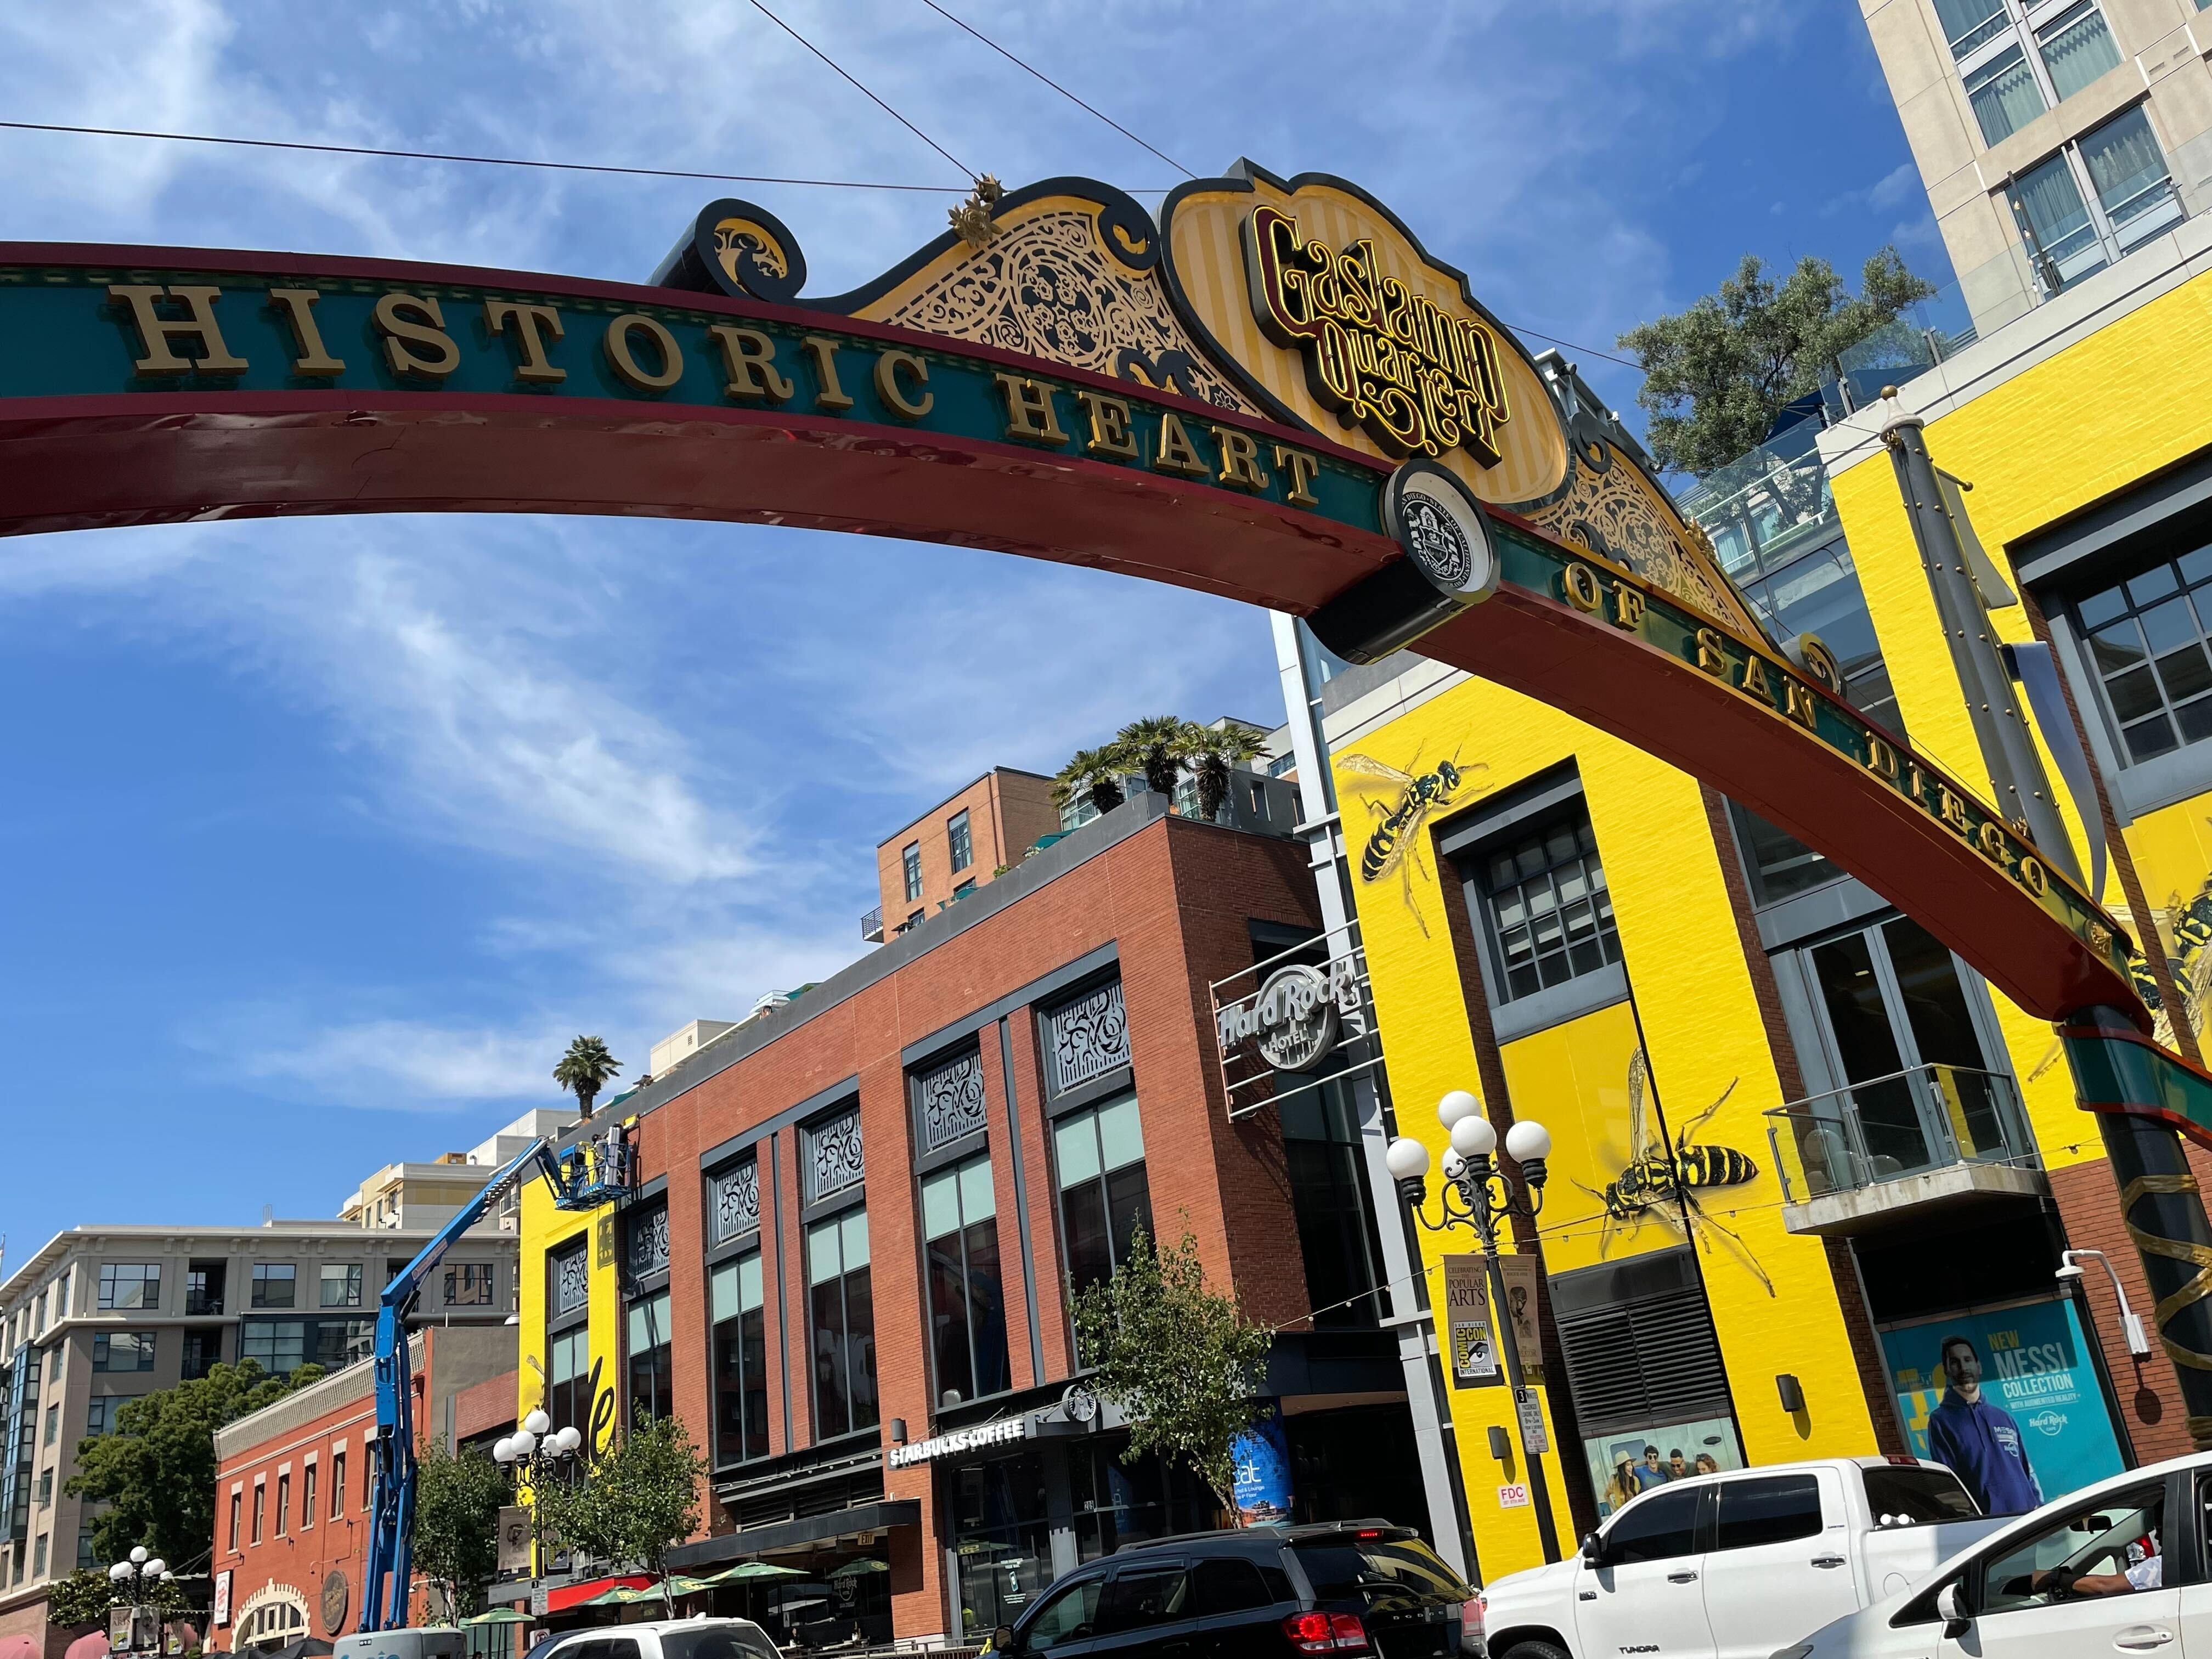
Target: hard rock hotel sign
{"x":1221,"y":399}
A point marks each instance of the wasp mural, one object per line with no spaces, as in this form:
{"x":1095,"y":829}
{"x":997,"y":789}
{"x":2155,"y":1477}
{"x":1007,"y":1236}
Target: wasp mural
{"x":1401,"y":803}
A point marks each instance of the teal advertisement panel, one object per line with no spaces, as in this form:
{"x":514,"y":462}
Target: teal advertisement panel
{"x":2010,"y":1400}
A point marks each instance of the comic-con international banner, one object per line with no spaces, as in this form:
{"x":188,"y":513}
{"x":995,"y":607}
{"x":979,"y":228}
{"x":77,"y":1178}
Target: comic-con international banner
{"x":2008,"y":1400}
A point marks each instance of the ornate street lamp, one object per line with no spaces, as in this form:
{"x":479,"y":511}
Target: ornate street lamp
{"x":136,"y":1575}
{"x":534,"y":1454}
{"x":1478,"y":1194}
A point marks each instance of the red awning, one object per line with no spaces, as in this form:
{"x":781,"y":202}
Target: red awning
{"x":569,"y":1594}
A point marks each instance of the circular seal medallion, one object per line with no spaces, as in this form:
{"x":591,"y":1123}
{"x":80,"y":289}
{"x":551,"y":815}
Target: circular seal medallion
{"x":1434,"y":539}
{"x":337,"y":1595}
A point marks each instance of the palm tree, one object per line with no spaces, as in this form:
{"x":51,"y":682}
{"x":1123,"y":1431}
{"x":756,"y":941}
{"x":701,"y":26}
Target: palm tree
{"x":1091,"y":774}
{"x":585,"y":1069}
{"x":1211,"y":752}
{"x":1153,"y":745}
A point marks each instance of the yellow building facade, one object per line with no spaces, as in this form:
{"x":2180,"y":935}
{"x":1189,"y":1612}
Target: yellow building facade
{"x":1799,"y":1149}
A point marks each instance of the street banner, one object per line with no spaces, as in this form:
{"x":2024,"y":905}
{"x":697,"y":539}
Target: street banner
{"x":1521,"y":1274}
{"x":1474,"y":1354}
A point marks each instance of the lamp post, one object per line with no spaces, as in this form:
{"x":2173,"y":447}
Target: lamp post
{"x":1485,"y":1194}
{"x":136,"y":1574}
{"x":535,"y":1453}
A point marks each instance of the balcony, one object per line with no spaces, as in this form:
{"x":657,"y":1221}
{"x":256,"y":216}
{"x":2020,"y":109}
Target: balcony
{"x":872,"y":926}
{"x":1928,"y":1138}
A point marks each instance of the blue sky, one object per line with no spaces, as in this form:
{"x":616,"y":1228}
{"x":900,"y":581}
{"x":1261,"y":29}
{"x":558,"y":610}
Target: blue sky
{"x":326,"y":835}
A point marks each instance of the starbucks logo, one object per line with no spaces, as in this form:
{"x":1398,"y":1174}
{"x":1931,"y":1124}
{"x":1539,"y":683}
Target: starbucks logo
{"x":1433,"y":538}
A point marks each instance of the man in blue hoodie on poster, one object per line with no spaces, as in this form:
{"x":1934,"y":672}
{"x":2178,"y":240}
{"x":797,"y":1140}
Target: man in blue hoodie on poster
{"x":1979,"y":1442}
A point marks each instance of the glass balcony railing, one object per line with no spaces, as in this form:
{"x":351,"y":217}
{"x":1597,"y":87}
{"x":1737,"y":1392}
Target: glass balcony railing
{"x":1925,"y":333}
{"x":1909,"y":1123}
{"x":872,"y":926}
{"x":1764,"y":509}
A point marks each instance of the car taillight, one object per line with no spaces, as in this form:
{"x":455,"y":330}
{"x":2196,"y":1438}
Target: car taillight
{"x":1470,"y":1624}
{"x":1326,"y":1632}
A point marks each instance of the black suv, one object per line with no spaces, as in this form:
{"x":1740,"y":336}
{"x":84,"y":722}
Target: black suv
{"x":1348,"y":1588}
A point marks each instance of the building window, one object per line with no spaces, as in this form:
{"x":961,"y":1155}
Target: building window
{"x":279,"y":1346}
{"x":733,"y":1203}
{"x":273,"y":1283}
{"x":1085,"y":1037}
{"x":237,"y":1506}
{"x":338,"y":1486}
{"x":571,"y":1276}
{"x":844,"y":1324}
{"x":736,"y":1306}
{"x":648,"y":1242}
{"x":123,"y":1351}
{"x":910,"y":862}
{"x":2020,"y":57}
{"x":283,"y":1503}
{"x":53,"y":1422}
{"x":967,"y":1299}
{"x":2148,"y":637}
{"x":568,"y":1375}
{"x":341,"y":1285}
{"x":950,"y":1099}
{"x":469,"y":1285}
{"x":1103,"y":1196}
{"x":651,"y":1378}
{"x":100,"y":1413}
{"x":835,"y":1160}
{"x":964,"y":888}
{"x":204,"y":1288}
{"x":960,"y":842}
{"x":45,"y":1487}
{"x":203,"y":1352}
{"x":260,"y":1509}
{"x":1969,"y":24}
{"x":343,"y":1342}
{"x":39,"y":1558}
{"x":2094,"y":200}
{"x":126,"y":1286}
{"x":2005,"y":93}
{"x":2077,"y":47}
{"x":308,"y":1498}
{"x":1549,"y":916}
{"x":1322,"y":1154}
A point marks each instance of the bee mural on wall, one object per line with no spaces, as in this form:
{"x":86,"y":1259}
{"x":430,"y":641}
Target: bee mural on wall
{"x":1656,"y":1186}
{"x":2183,"y":929}
{"x":1401,"y":803}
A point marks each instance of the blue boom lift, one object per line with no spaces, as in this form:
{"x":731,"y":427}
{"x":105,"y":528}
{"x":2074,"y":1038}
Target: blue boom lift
{"x":592,"y":1172}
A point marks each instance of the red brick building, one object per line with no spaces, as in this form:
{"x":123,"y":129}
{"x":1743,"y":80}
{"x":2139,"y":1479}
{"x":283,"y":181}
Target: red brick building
{"x":957,"y":846}
{"x":292,"y":1486}
{"x":846,"y":1264}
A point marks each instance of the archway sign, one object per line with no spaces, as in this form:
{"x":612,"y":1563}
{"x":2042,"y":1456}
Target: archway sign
{"x":1273,"y":393}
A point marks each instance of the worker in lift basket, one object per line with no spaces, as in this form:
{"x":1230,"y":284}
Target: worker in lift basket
{"x":1980,"y":1442}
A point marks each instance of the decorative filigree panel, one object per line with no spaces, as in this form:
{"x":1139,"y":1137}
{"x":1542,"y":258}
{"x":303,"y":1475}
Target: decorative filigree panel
{"x":832,"y":1155}
{"x":648,"y":1242}
{"x":1046,"y":288}
{"x":1088,"y":1037}
{"x":951,"y":1098}
{"x":572,"y":1282}
{"x":1611,"y":511}
{"x":735,"y":1202}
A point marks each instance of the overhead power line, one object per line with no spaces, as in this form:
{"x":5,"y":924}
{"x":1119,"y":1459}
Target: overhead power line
{"x":966,"y":171}
{"x":1059,"y":88}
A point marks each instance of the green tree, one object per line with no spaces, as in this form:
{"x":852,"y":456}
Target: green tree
{"x":1178,"y":1358}
{"x":1716,"y":375}
{"x":1091,"y":774}
{"x":1153,"y":745}
{"x":585,"y":1069}
{"x":85,"y":1596}
{"x":641,"y":1498}
{"x":154,"y":1471}
{"x":1211,"y":752}
{"x":457,"y":1504}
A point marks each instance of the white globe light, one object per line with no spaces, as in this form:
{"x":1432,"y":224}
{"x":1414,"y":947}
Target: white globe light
{"x":523,"y":1443}
{"x":119,"y":1571}
{"x":138,"y":1555}
{"x":1407,"y":1159}
{"x":569,"y":1439}
{"x":1527,"y":1139}
{"x":1456,"y":1105}
{"x":156,"y":1567}
{"x":537,"y":1423}
{"x":168,"y":1577}
{"x":1473,"y":1137}
{"x":502,"y":1450}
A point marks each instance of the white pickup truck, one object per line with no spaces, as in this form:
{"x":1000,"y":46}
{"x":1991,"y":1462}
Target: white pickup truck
{"x":1736,"y":1565}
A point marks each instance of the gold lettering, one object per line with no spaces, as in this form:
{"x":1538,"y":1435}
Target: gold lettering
{"x":749,"y":360}
{"x":1240,"y":459}
{"x":296,"y":304}
{"x":1302,"y":467}
{"x":1916,"y":784}
{"x":1753,"y":684}
{"x":1797,"y":703}
{"x":426,"y":328}
{"x":1881,"y":758}
{"x":155,"y":331}
{"x":1712,"y":657}
{"x":1991,"y":841}
{"x":533,"y":323}
{"x":1030,"y":415}
{"x":893,"y":394}
{"x":1109,"y":425}
{"x":1178,"y":453}
{"x":1627,"y":606}
{"x":2033,"y":877}
{"x":828,"y":393}
{"x":623,"y":359}
{"x":1583,"y":591}
{"x":1953,"y":811}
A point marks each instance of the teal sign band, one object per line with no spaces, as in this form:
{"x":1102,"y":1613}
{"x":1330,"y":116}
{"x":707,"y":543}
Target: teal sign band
{"x":2117,"y":1073}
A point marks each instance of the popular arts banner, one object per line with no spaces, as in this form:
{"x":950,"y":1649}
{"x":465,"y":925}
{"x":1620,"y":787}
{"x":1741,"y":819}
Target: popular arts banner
{"x":1467,"y":1312}
{"x":1972,"y":1386}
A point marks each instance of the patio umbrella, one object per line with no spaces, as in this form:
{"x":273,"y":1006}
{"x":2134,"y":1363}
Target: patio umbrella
{"x":677,"y":1584}
{"x":746,"y":1571}
{"x":859,"y":1569}
{"x":621,"y":1596}
{"x":499,"y":1616}
{"x":307,"y":1647}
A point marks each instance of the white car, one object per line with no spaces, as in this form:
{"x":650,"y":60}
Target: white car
{"x":2116,"y":1568}
{"x":1737,"y":1565}
{"x":663,"y":1638}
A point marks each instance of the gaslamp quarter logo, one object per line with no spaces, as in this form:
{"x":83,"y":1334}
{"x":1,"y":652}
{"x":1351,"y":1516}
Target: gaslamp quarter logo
{"x":1421,"y":380}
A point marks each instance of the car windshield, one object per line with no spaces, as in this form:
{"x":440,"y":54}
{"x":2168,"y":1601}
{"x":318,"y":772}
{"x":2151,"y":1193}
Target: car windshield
{"x":716,"y":1642}
{"x":1903,"y":1495}
{"x":1377,"y":1568}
